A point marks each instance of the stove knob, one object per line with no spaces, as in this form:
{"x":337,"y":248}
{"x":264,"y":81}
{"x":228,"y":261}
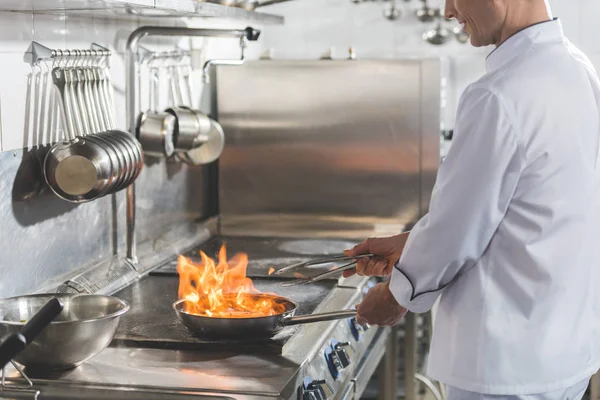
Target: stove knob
{"x":344,"y":353}
{"x":333,"y":362}
{"x":317,"y":390}
{"x":356,"y":329}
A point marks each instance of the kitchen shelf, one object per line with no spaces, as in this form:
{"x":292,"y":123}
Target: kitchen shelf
{"x":135,"y":9}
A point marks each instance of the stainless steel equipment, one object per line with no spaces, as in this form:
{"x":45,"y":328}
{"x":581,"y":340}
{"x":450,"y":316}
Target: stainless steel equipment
{"x":438,"y":35}
{"x":252,"y":327}
{"x":153,"y":355}
{"x":190,"y":135}
{"x":391,"y":11}
{"x":325,"y":275}
{"x":154,"y":129}
{"x":83,"y":329}
{"x":427,"y":14}
{"x":16,"y":342}
{"x":93,"y":160}
{"x":210,"y":144}
{"x":132,"y":90}
{"x":329,"y":148}
{"x":153,"y":352}
{"x":326,"y":260}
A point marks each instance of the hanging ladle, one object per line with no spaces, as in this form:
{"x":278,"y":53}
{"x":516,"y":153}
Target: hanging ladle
{"x":437,"y":36}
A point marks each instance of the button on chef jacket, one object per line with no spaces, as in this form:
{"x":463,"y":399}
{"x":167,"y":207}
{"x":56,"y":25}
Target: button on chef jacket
{"x":511,"y":243}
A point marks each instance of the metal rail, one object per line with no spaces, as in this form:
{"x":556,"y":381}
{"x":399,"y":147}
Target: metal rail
{"x":132,"y":90}
{"x":38,"y":52}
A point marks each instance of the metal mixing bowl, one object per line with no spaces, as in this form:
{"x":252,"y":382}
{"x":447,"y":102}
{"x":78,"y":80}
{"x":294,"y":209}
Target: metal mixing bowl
{"x":85,"y":327}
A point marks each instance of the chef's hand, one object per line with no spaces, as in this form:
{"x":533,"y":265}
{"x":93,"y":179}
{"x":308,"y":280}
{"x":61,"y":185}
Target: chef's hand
{"x":387,"y":252}
{"x":379,"y":307}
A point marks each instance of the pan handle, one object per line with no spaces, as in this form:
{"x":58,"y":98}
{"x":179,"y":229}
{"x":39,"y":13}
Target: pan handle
{"x":330,"y":316}
{"x":17,"y":342}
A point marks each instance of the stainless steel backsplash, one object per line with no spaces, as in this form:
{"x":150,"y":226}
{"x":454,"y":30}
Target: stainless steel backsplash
{"x":315,"y":148}
{"x":43,"y":238}
{"x":328,"y":140}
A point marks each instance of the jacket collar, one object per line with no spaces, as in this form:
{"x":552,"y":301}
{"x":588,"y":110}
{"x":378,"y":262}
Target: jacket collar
{"x":523,"y":40}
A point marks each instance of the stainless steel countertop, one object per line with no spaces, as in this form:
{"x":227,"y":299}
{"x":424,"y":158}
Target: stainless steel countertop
{"x":194,"y":372}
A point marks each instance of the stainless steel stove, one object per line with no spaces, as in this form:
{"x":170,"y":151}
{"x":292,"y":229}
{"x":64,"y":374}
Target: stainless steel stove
{"x":154,"y":354}
{"x":152,"y":323}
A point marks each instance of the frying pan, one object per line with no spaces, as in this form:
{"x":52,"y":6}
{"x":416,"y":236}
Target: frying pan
{"x":255,"y":327}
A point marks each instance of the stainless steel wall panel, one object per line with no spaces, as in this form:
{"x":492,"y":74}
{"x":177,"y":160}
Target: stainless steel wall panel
{"x":43,"y":238}
{"x":326,"y":138}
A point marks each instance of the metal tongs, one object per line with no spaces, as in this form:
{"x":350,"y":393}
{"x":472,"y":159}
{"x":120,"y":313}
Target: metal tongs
{"x":324,"y":275}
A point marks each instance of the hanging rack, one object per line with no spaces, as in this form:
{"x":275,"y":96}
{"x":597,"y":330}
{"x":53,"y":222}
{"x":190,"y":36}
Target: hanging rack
{"x":147,"y":56}
{"x":37,"y":52}
{"x":132,"y":57}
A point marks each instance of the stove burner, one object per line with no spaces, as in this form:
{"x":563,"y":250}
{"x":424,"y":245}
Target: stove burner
{"x":152,"y":323}
{"x":315,"y":247}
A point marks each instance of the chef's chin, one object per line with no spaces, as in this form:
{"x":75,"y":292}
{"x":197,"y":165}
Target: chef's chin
{"x":478,"y":42}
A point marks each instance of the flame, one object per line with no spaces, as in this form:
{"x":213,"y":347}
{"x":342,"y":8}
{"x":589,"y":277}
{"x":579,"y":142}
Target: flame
{"x":222,"y":289}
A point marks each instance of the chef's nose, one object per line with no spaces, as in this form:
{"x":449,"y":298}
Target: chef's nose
{"x":449,"y":9}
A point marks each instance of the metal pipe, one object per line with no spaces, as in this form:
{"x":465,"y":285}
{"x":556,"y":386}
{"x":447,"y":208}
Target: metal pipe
{"x":131,"y":90}
{"x":209,"y":63}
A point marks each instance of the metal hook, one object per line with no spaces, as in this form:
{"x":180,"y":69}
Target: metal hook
{"x":76,"y":57}
{"x":69,"y":62}
{"x":57,"y":58}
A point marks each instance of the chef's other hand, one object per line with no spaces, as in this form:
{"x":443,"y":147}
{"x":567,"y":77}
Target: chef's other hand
{"x":379,"y":307}
{"x":387,"y":251}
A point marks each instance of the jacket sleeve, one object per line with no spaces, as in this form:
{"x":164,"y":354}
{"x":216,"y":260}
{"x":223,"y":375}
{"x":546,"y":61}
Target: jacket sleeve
{"x":473,"y":190}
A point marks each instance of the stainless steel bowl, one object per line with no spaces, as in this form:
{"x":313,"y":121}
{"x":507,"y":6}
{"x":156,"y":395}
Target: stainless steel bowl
{"x":85,"y":327}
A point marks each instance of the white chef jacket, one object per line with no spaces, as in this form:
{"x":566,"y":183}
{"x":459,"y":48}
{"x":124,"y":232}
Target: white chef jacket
{"x":512,"y":239}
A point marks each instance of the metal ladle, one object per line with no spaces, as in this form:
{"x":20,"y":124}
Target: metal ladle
{"x":437,"y":36}
{"x":392,"y":12}
{"x":427,"y":14}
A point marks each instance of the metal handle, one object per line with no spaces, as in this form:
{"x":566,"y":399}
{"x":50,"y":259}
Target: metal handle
{"x":322,"y":276}
{"x":41,"y":319}
{"x":328,"y":260}
{"x":307,"y":319}
{"x":17,"y":342}
{"x":60,"y":82}
{"x":333,"y":272}
{"x":94,"y":87}
{"x":10,"y":347}
{"x":77,"y":112}
{"x":84,"y":110}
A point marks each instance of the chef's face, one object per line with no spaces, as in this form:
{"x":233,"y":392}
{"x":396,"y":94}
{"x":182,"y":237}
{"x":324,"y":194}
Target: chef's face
{"x":483,"y":20}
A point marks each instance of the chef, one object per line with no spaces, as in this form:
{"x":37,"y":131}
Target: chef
{"x":511,"y":243}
